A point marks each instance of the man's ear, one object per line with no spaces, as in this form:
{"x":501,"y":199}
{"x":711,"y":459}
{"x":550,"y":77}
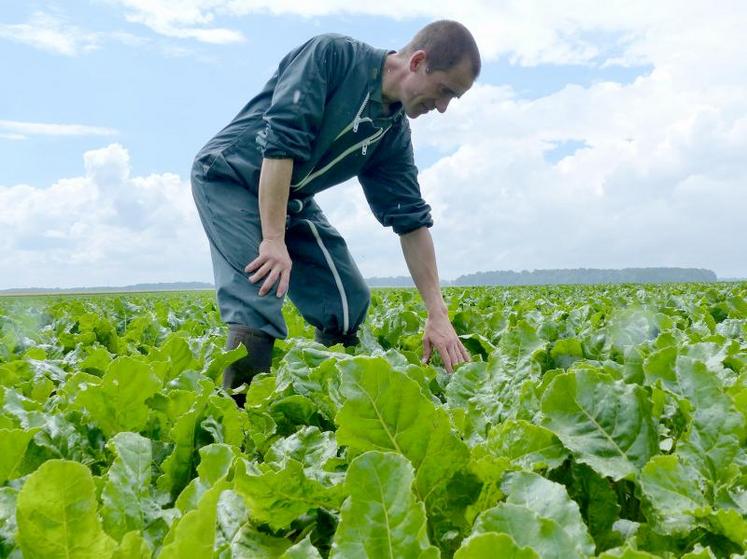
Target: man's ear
{"x":417,"y":59}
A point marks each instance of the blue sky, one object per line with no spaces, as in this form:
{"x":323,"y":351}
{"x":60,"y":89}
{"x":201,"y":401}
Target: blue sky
{"x":574,"y":109}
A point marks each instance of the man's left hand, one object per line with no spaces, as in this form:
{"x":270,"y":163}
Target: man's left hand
{"x":440,"y":334}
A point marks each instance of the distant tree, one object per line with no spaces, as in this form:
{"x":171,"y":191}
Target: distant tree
{"x":588,"y":276}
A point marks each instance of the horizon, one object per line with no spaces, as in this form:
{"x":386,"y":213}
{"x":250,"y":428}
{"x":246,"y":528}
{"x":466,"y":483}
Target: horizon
{"x":606,"y":137}
{"x":203,"y":285}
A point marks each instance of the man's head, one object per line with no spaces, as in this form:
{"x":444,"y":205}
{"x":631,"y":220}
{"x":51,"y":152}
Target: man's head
{"x":443,"y":61}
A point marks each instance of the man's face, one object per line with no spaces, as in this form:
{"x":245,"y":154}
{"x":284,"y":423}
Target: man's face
{"x":425,"y":89}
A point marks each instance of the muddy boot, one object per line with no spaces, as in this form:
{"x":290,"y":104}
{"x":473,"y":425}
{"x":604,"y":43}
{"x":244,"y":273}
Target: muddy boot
{"x":259,"y":358}
{"x":327,"y":339}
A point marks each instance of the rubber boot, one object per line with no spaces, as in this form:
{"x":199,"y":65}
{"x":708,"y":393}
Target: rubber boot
{"x":259,"y":359}
{"x":327,"y":339}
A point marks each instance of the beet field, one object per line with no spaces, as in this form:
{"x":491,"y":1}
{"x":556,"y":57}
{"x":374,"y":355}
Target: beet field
{"x":603,"y":421}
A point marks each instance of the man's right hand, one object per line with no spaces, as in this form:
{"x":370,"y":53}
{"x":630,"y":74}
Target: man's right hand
{"x":273,"y":264}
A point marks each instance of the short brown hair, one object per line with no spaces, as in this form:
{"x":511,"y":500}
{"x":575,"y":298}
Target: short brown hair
{"x":446,"y":44}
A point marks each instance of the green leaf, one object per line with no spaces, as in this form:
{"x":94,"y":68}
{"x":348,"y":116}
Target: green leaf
{"x":659,"y":366}
{"x":522,"y":351}
{"x":57,"y":514}
{"x":386,"y":410}
{"x":6,"y":421}
{"x":215,"y":463}
{"x":261,"y":429}
{"x":567,"y":351}
{"x":605,"y":423}
{"x":529,"y":446}
{"x":477,"y":345}
{"x":627,"y":553}
{"x":485,"y":393}
{"x":697,"y":383}
{"x":730,"y":523}
{"x":126,"y":500}
{"x":224,"y":421}
{"x":231,"y":515}
{"x":279,"y":497}
{"x":713,"y":443}
{"x":673,"y":492}
{"x":220,"y":360}
{"x":179,"y":467}
{"x":118,"y":403}
{"x":41,"y":389}
{"x":262,"y":392}
{"x":302,"y":550}
{"x":491,"y":544}
{"x":684,"y":376}
{"x":631,"y":326}
{"x":291,"y":411}
{"x":176,"y":352}
{"x":8,"y":526}
{"x":249,"y":543}
{"x":12,"y":373}
{"x":489,"y":470}
{"x":97,"y":360}
{"x":381,"y":518}
{"x":194,"y":534}
{"x":310,"y":447}
{"x":528,"y":529}
{"x":714,"y":353}
{"x":713,"y":440}
{"x":133,"y":546}
{"x":598,"y":502}
{"x":13,"y":443}
{"x":549,"y":500}
{"x":311,"y":372}
{"x":700,"y":553}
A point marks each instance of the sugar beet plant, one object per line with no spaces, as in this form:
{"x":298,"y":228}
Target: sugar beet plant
{"x":593,"y":422}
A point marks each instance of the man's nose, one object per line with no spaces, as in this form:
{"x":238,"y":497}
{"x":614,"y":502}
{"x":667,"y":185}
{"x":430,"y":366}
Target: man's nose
{"x":442,"y":104}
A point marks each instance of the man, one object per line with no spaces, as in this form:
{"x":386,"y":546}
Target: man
{"x":334,"y":109}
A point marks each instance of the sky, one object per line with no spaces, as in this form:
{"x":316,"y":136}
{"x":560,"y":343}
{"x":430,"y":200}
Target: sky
{"x":599,"y":134}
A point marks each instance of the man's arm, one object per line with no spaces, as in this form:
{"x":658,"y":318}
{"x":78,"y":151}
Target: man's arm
{"x":273,"y":261}
{"x":417,"y":247}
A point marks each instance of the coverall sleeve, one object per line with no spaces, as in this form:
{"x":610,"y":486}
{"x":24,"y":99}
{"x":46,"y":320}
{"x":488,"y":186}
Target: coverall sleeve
{"x":390,"y":183}
{"x":297,"y":107}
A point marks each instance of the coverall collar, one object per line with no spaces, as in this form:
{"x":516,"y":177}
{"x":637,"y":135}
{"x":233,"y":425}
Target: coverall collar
{"x":376,"y":83}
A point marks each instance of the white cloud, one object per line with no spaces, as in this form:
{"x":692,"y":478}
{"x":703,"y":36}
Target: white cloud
{"x":55,"y":34}
{"x":662,"y":180}
{"x":52,"y":34}
{"x":375,"y":249}
{"x":12,"y":136}
{"x":17,"y":130}
{"x":214,"y":36}
{"x":183,"y":19}
{"x":105,"y":227}
{"x":529,"y":32}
